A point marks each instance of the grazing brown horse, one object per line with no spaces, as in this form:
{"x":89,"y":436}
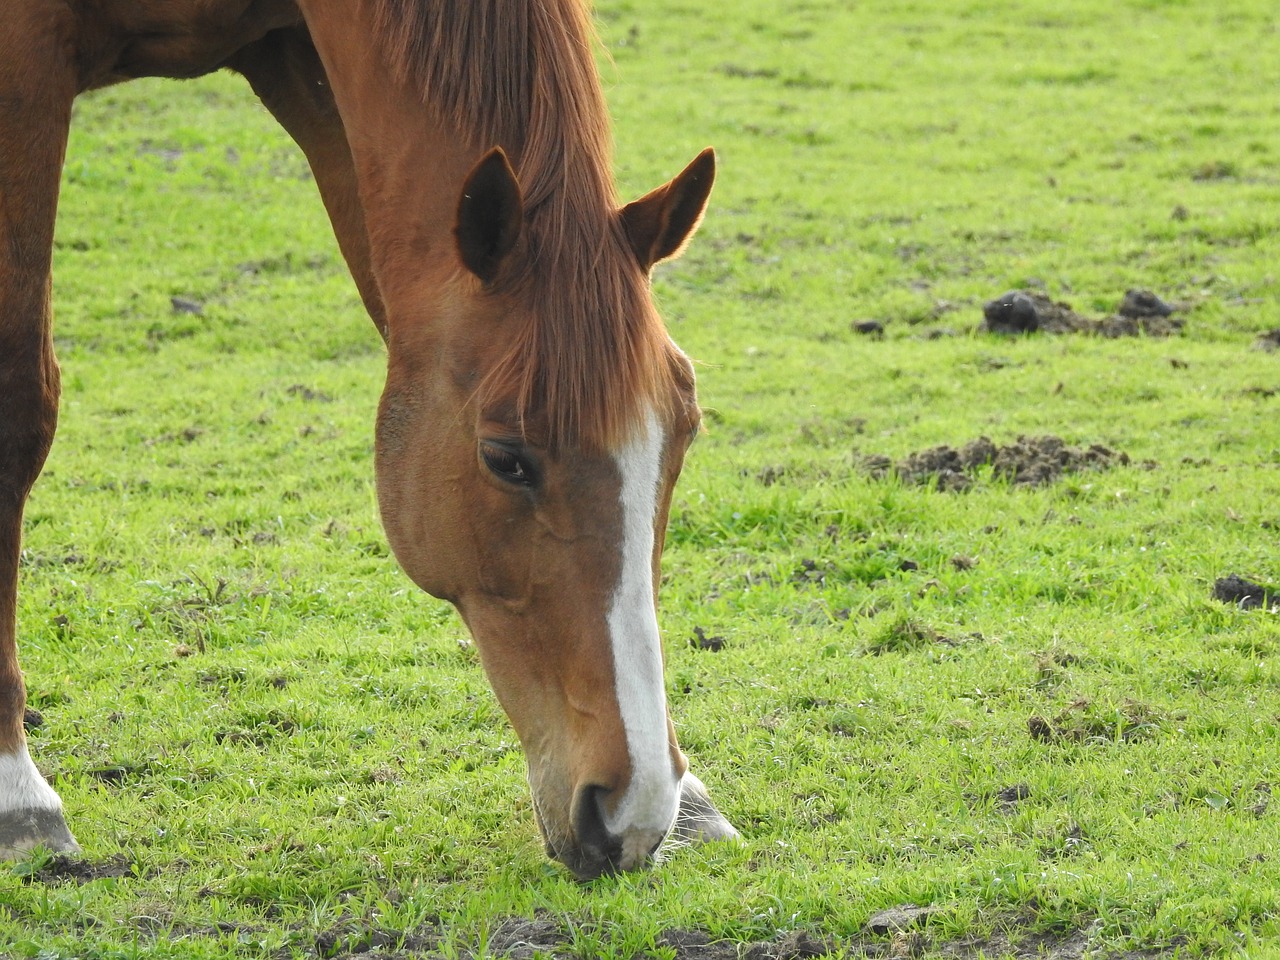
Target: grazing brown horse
{"x":536,"y":414}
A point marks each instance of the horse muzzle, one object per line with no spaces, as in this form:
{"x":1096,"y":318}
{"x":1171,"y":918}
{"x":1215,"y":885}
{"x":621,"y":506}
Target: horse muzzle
{"x":590,"y":849}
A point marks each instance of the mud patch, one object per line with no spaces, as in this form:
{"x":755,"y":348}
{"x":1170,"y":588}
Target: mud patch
{"x":771,"y":475}
{"x":527,"y":939}
{"x":1084,"y":722}
{"x":901,"y":931}
{"x":1006,"y":799}
{"x":1245,"y":594}
{"x":1028,"y":461}
{"x":515,"y":939}
{"x":349,"y":940}
{"x":905,"y":635}
{"x":117,"y":774}
{"x":61,"y":868}
{"x":1268,"y":342}
{"x":1140,"y":312}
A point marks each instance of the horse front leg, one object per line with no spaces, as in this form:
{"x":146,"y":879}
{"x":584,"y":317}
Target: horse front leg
{"x":285,"y":72}
{"x":37,"y":85}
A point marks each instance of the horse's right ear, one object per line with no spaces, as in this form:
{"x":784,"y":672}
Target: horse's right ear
{"x":490,"y":214}
{"x":661,"y":222}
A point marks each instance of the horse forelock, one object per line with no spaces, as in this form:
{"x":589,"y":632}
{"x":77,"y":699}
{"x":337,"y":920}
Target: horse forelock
{"x":590,"y":358}
{"x":592,"y":355}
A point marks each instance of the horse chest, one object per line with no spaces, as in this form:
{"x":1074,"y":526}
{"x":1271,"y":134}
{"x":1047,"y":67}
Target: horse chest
{"x":124,"y":39}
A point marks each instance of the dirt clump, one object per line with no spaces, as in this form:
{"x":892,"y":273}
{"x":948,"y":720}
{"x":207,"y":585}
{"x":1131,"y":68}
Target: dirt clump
{"x":792,"y":946}
{"x":700,"y":641}
{"x":902,"y":931}
{"x":1245,"y":594}
{"x":1140,"y":304}
{"x":1007,"y":798}
{"x":1140,"y":312}
{"x":1085,"y":722}
{"x":1012,"y":312}
{"x":1028,"y":461}
{"x":63,"y":868}
{"x":1268,"y":342}
{"x":1022,"y":311}
{"x":898,"y":918}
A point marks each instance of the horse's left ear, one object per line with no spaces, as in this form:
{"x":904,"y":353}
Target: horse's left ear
{"x":661,"y":222}
{"x":490,"y":214}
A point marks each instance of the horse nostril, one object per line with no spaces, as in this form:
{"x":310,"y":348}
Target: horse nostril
{"x":588,"y":825}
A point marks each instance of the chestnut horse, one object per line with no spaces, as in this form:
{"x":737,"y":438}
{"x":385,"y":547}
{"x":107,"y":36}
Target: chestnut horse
{"x":536,"y":414}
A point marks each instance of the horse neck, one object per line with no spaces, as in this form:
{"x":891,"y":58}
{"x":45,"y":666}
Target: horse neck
{"x":410,"y":163}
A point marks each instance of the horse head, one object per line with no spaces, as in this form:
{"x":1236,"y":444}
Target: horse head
{"x":525,"y":467}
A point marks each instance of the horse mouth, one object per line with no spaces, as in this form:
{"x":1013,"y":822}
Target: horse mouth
{"x":585,"y":864}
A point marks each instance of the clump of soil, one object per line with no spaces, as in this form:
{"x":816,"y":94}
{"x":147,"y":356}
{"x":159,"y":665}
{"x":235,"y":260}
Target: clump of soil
{"x":1141,"y":304}
{"x":906,"y":930}
{"x":771,"y":475}
{"x":1082,"y":722}
{"x":700,"y":641}
{"x":811,"y":572}
{"x":1269,"y":341}
{"x":1024,"y":311}
{"x":63,"y":868}
{"x":1028,"y":461}
{"x":903,"y":636}
{"x":1245,"y":594}
{"x":1020,"y":312}
{"x":1007,"y":798}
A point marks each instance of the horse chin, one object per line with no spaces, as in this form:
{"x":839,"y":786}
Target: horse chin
{"x":583,"y":867}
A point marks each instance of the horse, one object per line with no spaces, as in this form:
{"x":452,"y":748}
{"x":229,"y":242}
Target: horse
{"x":536,"y":412}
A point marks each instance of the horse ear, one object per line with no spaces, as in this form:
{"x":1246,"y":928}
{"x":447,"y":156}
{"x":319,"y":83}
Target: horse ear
{"x":661,"y":222}
{"x":490,"y":214}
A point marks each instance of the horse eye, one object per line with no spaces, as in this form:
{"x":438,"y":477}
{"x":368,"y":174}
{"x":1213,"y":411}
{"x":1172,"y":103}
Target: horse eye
{"x":507,"y":465}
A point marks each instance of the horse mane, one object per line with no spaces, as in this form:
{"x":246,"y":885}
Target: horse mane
{"x":522,"y":74}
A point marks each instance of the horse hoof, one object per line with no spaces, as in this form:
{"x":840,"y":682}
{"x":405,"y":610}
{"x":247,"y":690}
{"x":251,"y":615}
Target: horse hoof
{"x":698,"y":821}
{"x":21,"y":831}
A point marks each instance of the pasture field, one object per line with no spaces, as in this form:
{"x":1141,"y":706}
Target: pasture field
{"x":1018,"y":706}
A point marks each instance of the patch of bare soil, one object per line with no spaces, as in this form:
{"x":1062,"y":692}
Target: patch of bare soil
{"x":1141,"y":312}
{"x":900,"y":931}
{"x":1086,"y":722}
{"x":516,"y":939}
{"x":349,"y":940}
{"x":1269,"y":341}
{"x":1030,"y":461}
{"x":1245,"y":594}
{"x":62,"y":868}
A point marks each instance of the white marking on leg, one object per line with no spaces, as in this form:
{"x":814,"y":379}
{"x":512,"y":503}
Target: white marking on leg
{"x":648,"y":808}
{"x":22,"y":787}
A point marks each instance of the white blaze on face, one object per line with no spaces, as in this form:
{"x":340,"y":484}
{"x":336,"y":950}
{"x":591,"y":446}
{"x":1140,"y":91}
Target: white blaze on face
{"x":647,"y":809}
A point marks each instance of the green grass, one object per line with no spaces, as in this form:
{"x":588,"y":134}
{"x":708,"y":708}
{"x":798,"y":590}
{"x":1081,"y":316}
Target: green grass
{"x":289,"y":744}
